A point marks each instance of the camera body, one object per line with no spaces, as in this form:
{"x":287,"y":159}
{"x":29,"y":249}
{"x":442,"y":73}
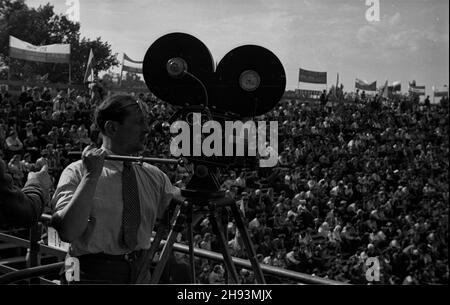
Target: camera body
{"x":215,"y":105}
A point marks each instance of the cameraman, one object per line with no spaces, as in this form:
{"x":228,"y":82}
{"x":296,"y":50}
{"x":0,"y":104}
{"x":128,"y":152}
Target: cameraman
{"x":107,"y":209}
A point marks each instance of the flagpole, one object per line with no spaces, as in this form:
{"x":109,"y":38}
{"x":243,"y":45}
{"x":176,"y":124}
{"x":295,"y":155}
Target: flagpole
{"x":432,"y":89}
{"x":70,"y":73}
{"x":10,"y":62}
{"x":9,"y":71}
{"x":337,"y":82}
{"x":121,"y":72}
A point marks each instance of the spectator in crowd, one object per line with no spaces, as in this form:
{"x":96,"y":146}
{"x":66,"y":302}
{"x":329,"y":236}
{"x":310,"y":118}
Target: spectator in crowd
{"x":13,"y":143}
{"x":17,"y":170}
{"x":217,"y":275}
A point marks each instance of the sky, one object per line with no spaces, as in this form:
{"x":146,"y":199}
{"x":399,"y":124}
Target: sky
{"x":409,"y":42}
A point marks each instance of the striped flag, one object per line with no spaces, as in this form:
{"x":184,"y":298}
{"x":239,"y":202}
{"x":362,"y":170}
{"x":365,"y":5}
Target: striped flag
{"x":131,"y":65}
{"x":127,"y":58}
{"x":365,"y":85}
{"x":89,"y":74}
{"x":420,"y":90}
{"x":439,"y":92}
{"x":413,"y":88}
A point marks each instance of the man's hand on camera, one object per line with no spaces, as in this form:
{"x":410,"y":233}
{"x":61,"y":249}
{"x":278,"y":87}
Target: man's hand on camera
{"x":93,"y":159}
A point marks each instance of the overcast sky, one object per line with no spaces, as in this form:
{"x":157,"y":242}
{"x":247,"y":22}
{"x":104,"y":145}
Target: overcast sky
{"x":411,"y":40}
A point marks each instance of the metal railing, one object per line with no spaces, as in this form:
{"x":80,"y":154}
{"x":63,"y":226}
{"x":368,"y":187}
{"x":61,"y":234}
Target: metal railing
{"x":18,"y":275}
{"x":36,"y":249}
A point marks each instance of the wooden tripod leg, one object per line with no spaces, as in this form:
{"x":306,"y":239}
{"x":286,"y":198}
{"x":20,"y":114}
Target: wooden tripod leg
{"x":248,"y":244}
{"x":190,"y":235}
{"x":218,"y":230}
{"x":176,"y":228}
{"x":164,"y":257}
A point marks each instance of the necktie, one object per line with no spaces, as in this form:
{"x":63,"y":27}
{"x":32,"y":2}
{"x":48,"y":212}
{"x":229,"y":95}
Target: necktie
{"x":131,"y":216}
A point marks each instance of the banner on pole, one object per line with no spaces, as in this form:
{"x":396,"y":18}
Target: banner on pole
{"x":420,"y":90}
{"x":89,"y":74}
{"x":127,"y":58}
{"x":312,"y":77}
{"x":365,"y":85}
{"x":131,"y":65}
{"x":395,"y":87}
{"x":54,"y":53}
{"x":440,"y":92}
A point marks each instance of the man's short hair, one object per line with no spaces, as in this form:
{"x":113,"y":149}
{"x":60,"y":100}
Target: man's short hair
{"x":113,"y":109}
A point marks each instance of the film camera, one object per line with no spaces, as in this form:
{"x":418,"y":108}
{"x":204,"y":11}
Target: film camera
{"x":249,"y":81}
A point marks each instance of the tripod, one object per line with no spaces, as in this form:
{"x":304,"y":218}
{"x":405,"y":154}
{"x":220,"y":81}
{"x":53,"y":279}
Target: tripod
{"x":203,"y":191}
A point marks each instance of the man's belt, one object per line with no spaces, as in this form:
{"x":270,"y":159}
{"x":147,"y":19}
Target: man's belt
{"x":128,"y":257}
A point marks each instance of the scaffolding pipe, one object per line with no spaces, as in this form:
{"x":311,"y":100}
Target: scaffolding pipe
{"x":19,"y":275}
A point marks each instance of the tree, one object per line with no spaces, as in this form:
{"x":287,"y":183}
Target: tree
{"x":42,"y":26}
{"x":132,"y":80}
{"x":108,"y":80}
{"x":103,"y":57}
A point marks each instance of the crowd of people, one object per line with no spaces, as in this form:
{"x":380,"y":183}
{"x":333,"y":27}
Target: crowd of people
{"x":364,"y":177}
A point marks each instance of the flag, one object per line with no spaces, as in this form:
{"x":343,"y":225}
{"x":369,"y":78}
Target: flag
{"x":89,"y":74}
{"x":125,"y":57}
{"x":54,"y":53}
{"x":413,"y":88}
{"x":337,"y":85}
{"x":364,"y":85}
{"x":420,"y":90}
{"x":397,"y":86}
{"x":131,"y":65}
{"x":385,"y":90}
{"x":439,"y":92}
{"x":312,"y":77}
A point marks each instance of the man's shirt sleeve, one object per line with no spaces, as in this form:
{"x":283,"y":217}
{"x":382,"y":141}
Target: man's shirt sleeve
{"x":168,"y":192}
{"x":67,"y":185}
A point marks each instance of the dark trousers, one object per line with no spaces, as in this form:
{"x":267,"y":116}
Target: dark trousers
{"x":116,"y":269}
{"x":110,"y":269}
